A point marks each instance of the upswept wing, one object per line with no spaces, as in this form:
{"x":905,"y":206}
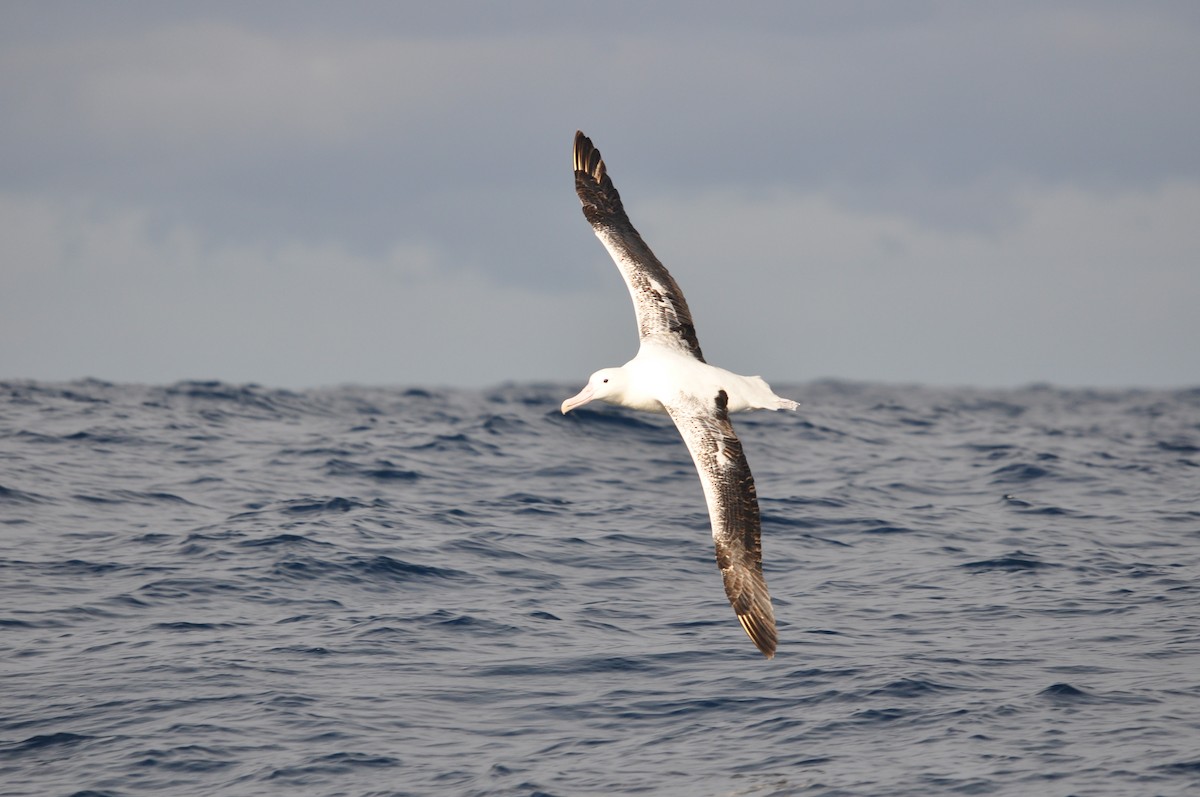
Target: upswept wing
{"x":662,"y":312}
{"x":733,"y":510}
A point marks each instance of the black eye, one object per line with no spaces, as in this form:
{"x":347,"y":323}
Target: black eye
{"x":606,"y":381}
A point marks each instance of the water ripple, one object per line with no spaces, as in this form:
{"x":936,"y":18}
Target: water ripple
{"x":230,"y":589}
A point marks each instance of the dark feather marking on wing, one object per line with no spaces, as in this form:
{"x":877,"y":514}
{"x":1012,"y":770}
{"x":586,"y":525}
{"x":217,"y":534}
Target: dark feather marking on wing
{"x":733,"y":510}
{"x":660,"y":312}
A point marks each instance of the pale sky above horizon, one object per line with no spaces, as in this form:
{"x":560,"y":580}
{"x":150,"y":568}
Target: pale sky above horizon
{"x":303,"y":194}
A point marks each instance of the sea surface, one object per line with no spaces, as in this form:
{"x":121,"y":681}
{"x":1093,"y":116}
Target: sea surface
{"x":216,"y":589}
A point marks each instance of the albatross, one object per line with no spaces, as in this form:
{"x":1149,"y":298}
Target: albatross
{"x":669,"y":375}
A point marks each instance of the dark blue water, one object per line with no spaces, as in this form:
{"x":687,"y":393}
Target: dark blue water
{"x":209,"y":589}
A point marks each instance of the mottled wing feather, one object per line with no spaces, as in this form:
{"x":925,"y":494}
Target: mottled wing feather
{"x":733,"y":510}
{"x":662,"y":312}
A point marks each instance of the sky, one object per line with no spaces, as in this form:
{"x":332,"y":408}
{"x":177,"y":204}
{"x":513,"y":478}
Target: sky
{"x":305,"y":194}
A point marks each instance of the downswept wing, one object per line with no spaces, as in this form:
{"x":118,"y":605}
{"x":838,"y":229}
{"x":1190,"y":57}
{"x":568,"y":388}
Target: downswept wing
{"x":733,"y":510}
{"x":662,"y":312}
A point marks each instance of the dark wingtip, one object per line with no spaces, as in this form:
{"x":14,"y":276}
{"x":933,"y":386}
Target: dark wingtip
{"x":587,"y":158}
{"x":761,"y":631}
{"x":751,"y":602}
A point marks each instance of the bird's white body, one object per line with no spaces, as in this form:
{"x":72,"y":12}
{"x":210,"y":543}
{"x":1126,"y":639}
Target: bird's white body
{"x":662,"y":374}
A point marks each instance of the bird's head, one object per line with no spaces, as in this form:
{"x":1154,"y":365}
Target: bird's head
{"x":605,"y":385}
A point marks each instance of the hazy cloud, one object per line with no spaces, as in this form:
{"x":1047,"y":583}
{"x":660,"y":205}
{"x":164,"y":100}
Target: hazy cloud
{"x":298,"y":194}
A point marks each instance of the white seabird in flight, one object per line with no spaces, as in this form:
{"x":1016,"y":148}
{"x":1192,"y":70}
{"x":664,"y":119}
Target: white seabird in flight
{"x":669,"y":375}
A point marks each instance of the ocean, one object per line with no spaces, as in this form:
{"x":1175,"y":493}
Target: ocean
{"x":217,"y":589}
